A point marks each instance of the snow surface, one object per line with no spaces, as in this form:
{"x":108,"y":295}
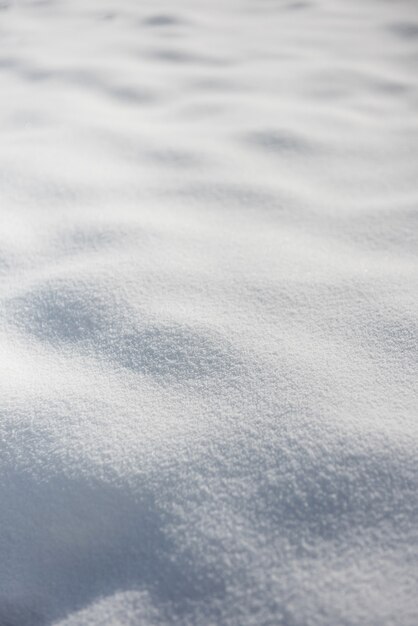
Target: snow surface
{"x":209,"y":312}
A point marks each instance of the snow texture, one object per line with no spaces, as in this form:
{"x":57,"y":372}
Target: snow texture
{"x":209,"y":312}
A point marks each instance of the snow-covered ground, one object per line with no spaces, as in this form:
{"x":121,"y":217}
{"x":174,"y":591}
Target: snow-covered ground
{"x":209,"y":312}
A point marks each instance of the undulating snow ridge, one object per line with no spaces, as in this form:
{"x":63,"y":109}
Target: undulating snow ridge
{"x":209,"y":312}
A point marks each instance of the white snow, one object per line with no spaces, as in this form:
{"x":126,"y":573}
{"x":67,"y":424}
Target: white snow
{"x":209,"y":312}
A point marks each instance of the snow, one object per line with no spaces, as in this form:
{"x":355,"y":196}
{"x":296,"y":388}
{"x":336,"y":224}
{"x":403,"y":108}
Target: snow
{"x":209,"y":313}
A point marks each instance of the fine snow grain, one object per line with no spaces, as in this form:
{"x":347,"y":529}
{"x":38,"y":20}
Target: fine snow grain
{"x":209,"y":313}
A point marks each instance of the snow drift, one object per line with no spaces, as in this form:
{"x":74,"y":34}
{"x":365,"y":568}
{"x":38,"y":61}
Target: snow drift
{"x":209,"y":312}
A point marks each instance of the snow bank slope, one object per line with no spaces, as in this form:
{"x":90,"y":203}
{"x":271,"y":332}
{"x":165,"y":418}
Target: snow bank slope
{"x":209,"y":312}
